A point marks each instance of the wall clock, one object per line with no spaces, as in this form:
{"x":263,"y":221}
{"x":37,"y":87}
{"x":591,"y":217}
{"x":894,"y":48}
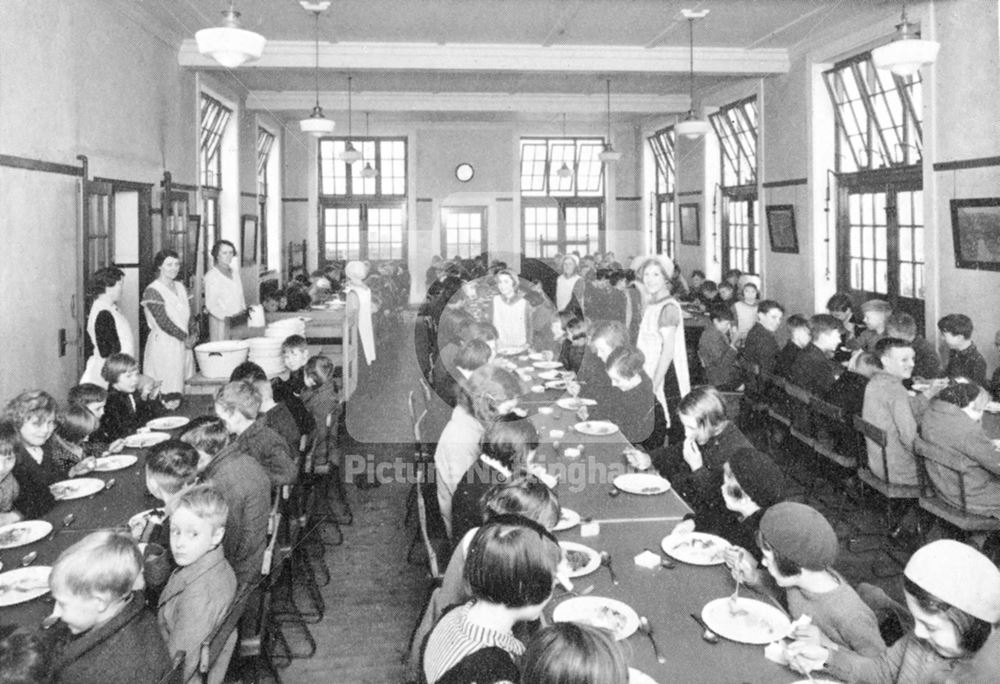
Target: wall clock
{"x":464,"y":172}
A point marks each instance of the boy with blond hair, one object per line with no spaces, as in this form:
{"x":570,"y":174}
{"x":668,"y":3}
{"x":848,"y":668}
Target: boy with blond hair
{"x":201,"y":589}
{"x":113,"y":638}
{"x":237,"y":404}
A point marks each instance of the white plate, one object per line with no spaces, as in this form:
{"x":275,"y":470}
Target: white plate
{"x":76,"y":489}
{"x":547,"y":365}
{"x":142,"y":440}
{"x":761,"y":624}
{"x":993,"y":407}
{"x":137,"y":523}
{"x":168,"y":423}
{"x":597,"y":428}
{"x":599,"y":611}
{"x":549,"y":375}
{"x":574,"y":403}
{"x":568,"y":518}
{"x":695,"y":548}
{"x":641,"y":483}
{"x":107,"y":464}
{"x":24,"y":584}
{"x":638,"y":677}
{"x":536,"y":356}
{"x":23,"y":533}
{"x":593,"y":558}
{"x":556,"y":384}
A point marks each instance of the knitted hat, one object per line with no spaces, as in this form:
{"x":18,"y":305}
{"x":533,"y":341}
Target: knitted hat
{"x":356,"y":270}
{"x":801,"y":534}
{"x":758,"y":476}
{"x":879,"y":305}
{"x":959,"y":575}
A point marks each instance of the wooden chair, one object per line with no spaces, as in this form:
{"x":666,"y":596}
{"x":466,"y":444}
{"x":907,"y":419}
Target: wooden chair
{"x":801,"y":424}
{"x":212,"y":647}
{"x":422,"y":463}
{"x":176,"y":673}
{"x":296,"y":255}
{"x":775,"y":410}
{"x":825,"y":415}
{"x":947,"y":466}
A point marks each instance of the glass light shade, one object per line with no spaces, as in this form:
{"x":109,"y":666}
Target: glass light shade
{"x":692,"y":127}
{"x":317,"y":124}
{"x":350,"y":154}
{"x":369,"y":171}
{"x":609,"y":154}
{"x":904,"y":56}
{"x":230,"y":46}
{"x":564,"y":171}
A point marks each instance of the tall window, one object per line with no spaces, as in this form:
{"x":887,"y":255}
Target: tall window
{"x":663,"y":145}
{"x":463,"y":231}
{"x":562,"y":196}
{"x":736,"y":127}
{"x":363,"y":217}
{"x":264,"y":142}
{"x":214,"y":119}
{"x":880,"y":224}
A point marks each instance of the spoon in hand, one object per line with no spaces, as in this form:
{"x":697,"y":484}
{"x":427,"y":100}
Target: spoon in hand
{"x":28,"y":559}
{"x":606,"y":562}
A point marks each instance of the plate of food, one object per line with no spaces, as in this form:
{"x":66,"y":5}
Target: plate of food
{"x":748,"y":621}
{"x":574,"y":403}
{"x":24,"y":584}
{"x":137,"y":523}
{"x":695,"y":548}
{"x":549,"y":375}
{"x":638,"y":677}
{"x":556,"y":384}
{"x":141,"y":440}
{"x":582,"y":559}
{"x":107,"y":464}
{"x":599,"y":611}
{"x":168,"y":423}
{"x":646,"y":484}
{"x":547,"y":365}
{"x":23,"y":533}
{"x":567,"y":518}
{"x":76,"y":489}
{"x":597,"y":428}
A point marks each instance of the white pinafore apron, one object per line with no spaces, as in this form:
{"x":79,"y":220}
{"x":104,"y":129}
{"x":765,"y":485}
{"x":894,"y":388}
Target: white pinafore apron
{"x":166,"y":358}
{"x":650,"y":343}
{"x":92,"y":371}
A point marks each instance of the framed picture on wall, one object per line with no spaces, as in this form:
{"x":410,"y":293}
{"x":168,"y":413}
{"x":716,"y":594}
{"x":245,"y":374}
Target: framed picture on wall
{"x":975,"y":228}
{"x":690,"y":230}
{"x":781,"y":228}
{"x":248,"y":240}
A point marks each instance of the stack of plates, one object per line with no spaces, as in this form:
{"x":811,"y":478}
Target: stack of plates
{"x":285,"y":327}
{"x":266,"y":353}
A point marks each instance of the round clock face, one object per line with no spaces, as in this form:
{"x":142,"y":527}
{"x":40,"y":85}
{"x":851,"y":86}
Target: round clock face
{"x":464,"y":172}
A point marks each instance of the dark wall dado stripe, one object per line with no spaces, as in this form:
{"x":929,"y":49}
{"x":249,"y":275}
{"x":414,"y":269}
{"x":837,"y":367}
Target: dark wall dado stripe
{"x":786,"y":183}
{"x":505,"y":199}
{"x":294,"y":199}
{"x":628,"y":199}
{"x":39,"y":165}
{"x":425,"y":199}
{"x":184,"y":187}
{"x":689,"y":193}
{"x":979,"y":163}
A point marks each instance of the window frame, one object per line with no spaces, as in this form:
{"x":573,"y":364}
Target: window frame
{"x":663,"y":144}
{"x":561,"y":204}
{"x":735,"y":142}
{"x":378,"y":163}
{"x":595,"y":144}
{"x":213,"y":119}
{"x":482,"y":211}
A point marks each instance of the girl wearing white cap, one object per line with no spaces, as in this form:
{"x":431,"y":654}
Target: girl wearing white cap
{"x":661,"y":332}
{"x":569,"y":285}
{"x":953,"y":593}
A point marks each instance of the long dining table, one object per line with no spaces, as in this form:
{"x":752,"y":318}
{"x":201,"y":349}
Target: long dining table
{"x":628,"y":525}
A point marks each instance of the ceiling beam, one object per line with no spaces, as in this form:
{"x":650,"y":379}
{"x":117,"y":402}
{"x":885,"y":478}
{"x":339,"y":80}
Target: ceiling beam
{"x":585,"y":105}
{"x":495,"y":57}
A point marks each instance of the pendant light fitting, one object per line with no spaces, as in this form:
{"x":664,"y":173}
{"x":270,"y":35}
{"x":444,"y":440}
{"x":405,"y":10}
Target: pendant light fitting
{"x":906,"y":52}
{"x":350,"y":154}
{"x":564,"y":170}
{"x":229,"y":44}
{"x":369,"y":170}
{"x":609,"y":155}
{"x":692,"y":127}
{"x":317,"y":124}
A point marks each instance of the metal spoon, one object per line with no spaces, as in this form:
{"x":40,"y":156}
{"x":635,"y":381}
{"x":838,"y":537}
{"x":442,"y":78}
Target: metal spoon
{"x":28,"y":559}
{"x":109,"y":484}
{"x":614,"y":493}
{"x":67,"y":521}
{"x":606,"y":562}
{"x":49,"y":622}
{"x":708,"y":635}
{"x":665,"y":561}
{"x":647,"y":629}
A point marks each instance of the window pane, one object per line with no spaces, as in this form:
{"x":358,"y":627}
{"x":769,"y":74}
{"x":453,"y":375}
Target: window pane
{"x":385,"y":233}
{"x":562,"y":155}
{"x":342,"y":227}
{"x":906,"y":280}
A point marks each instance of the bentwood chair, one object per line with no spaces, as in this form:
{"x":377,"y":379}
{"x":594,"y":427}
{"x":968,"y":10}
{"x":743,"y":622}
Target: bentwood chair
{"x":176,"y":673}
{"x":422,"y":462}
{"x":213,"y":647}
{"x":947,"y":467}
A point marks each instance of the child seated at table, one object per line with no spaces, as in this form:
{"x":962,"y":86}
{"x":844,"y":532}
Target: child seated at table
{"x":276,"y":414}
{"x":574,"y":344}
{"x":75,"y":425}
{"x":25,"y":656}
{"x":717,"y":352}
{"x":572,"y":652}
{"x":800,"y":338}
{"x":201,"y":589}
{"x":128,"y":407}
{"x":799,"y":548}
{"x":751,"y":483}
{"x":593,"y":374}
{"x":510,"y":568}
{"x":631,"y":405}
{"x":9,"y":489}
{"x":244,"y":485}
{"x":93,"y":397}
{"x":237,"y":404}
{"x":745,"y":311}
{"x":113,"y":637}
{"x":322,"y":398}
{"x":295,"y":353}
{"x":953,"y":593}
{"x":964,"y":360}
{"x":32,"y":415}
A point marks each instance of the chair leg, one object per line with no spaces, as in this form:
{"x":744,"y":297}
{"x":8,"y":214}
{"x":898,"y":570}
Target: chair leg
{"x":411,"y":506}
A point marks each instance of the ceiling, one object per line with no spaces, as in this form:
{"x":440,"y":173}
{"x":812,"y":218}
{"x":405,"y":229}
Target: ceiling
{"x":507,"y":58}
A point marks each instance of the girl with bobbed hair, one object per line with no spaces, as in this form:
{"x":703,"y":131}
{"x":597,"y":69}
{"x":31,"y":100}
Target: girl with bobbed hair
{"x":108,"y":331}
{"x":32,"y":417}
{"x":510,"y":314}
{"x":165,"y":301}
{"x":510,"y":569}
{"x":569,"y":286}
{"x":224,"y":299}
{"x":489,"y":392}
{"x":571,"y":653}
{"x":953,"y":422}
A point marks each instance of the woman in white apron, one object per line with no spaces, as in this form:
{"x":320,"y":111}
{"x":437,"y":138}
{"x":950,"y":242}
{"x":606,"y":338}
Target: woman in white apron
{"x":108,"y":331}
{"x":227,"y":308}
{"x":511,"y":316}
{"x":360,"y":295}
{"x":569,"y":286}
{"x":661,"y":333}
{"x":168,"y":312}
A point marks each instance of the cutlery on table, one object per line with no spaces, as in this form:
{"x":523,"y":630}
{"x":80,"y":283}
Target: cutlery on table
{"x":708,"y":635}
{"x":28,"y":559}
{"x":67,"y":521}
{"x":109,"y":484}
{"x":647,"y":629}
{"x":573,"y":592}
{"x":734,"y":600}
{"x":606,"y":562}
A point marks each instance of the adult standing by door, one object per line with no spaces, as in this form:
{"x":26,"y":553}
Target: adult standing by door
{"x":168,"y":356}
{"x":227,"y":307}
{"x":108,"y":331}
{"x":359,"y":298}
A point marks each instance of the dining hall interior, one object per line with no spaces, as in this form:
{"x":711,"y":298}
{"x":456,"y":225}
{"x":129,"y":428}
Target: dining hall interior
{"x":375,"y":157}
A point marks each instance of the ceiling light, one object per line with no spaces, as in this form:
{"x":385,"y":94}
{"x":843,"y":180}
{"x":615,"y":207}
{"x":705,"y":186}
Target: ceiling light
{"x":906,"y":53}
{"x":350,"y":154}
{"x":692,"y":127}
{"x":564,"y":171}
{"x":369,"y":170}
{"x":317,"y":124}
{"x":230,"y":45}
{"x":609,"y":155}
